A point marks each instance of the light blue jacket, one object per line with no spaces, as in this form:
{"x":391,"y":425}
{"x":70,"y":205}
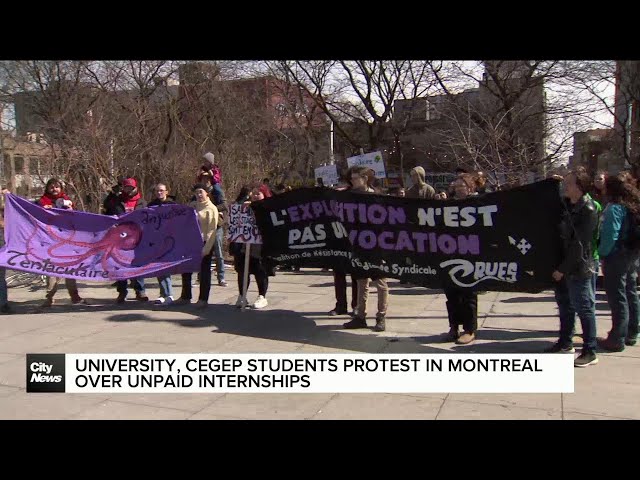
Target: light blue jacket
{"x":612,"y":218}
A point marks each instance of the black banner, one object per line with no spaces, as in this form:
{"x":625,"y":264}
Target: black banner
{"x":502,"y":241}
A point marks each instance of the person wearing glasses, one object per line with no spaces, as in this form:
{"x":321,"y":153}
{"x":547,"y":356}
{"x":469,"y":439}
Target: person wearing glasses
{"x":161,"y":193}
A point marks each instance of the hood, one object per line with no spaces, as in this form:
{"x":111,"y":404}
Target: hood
{"x":421,"y":174}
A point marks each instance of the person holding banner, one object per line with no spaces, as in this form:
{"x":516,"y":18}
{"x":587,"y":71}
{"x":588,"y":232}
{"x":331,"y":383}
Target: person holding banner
{"x":462,"y":304}
{"x":420,"y":188}
{"x":128,"y":200}
{"x":54,"y":197}
{"x":574,"y":276}
{"x":361,"y":179}
{"x":166,"y":293}
{"x":208,"y":221}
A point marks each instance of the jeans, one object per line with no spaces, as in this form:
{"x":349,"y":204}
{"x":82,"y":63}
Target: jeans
{"x":165,"y":286}
{"x":3,"y":287}
{"x":205,"y":281}
{"x":217,"y":252}
{"x":620,"y":275}
{"x":137,"y":283}
{"x":462,"y":309}
{"x":576,"y":295}
{"x":218,"y":195}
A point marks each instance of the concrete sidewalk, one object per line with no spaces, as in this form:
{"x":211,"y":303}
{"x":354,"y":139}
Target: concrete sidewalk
{"x":296,"y":321}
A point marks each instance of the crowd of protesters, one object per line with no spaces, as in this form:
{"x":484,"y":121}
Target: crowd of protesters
{"x":600,"y":231}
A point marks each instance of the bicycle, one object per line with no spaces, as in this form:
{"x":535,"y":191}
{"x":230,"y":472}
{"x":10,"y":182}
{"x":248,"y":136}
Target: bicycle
{"x":16,"y":279}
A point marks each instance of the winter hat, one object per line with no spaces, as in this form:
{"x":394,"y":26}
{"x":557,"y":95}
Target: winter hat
{"x":209,"y":157}
{"x":130,"y":182}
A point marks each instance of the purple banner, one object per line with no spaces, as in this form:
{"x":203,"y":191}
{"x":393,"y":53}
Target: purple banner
{"x":86,"y":246}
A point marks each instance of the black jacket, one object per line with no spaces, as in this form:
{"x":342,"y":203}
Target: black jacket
{"x":577,"y":229}
{"x":157,"y":203}
{"x":113,"y":205}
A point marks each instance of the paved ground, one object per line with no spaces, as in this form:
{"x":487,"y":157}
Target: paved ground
{"x":296,"y":322}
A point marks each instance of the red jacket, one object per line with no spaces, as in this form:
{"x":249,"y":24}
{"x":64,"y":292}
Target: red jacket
{"x":48,"y":199}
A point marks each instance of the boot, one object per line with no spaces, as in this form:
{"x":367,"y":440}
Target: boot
{"x":121,"y":298}
{"x":357,"y":322}
{"x":380,"y":323}
{"x":141,"y":298}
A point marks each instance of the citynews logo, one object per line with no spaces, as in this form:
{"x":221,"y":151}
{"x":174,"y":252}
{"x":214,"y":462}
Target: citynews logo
{"x":45,"y":372}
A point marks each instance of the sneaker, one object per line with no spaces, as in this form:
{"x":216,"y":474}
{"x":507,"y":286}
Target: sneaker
{"x":164,"y":301}
{"x":121,"y":298}
{"x":202,"y":304}
{"x":631,"y":341}
{"x":222,"y":283}
{"x":466,"y":338}
{"x":182,"y":301}
{"x":6,"y":309}
{"x":585,"y":359}
{"x":79,"y":301}
{"x":357,"y":322}
{"x":335,"y":312}
{"x":261,"y":302}
{"x":557,"y":348}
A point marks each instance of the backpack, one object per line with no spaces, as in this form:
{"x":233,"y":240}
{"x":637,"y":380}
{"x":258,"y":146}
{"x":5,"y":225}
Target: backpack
{"x":632,"y":240}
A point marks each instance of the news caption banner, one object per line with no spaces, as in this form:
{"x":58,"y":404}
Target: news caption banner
{"x":502,"y":241}
{"x":85,"y":246}
{"x":291,"y":373}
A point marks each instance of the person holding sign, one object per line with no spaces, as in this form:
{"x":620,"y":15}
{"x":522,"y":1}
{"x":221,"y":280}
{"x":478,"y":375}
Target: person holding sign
{"x":208,"y":221}
{"x":361,"y":179}
{"x":255,"y":263}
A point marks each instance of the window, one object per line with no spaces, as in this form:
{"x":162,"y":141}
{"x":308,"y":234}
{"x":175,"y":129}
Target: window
{"x":34,"y":166}
{"x":18,"y":163}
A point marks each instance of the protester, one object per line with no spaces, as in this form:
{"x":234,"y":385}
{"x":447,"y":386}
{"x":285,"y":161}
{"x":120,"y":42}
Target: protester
{"x":4,"y":298}
{"x":620,"y":256}
{"x":208,"y":221}
{"x":210,"y":174}
{"x":257,"y":266}
{"x":420,"y":188}
{"x":54,"y":197}
{"x":340,"y":281}
{"x":128,"y":200}
{"x":361,"y":179}
{"x":166,"y":292}
{"x":462,"y":305}
{"x":598,"y":190}
{"x":481,"y":183}
{"x":574,"y":291}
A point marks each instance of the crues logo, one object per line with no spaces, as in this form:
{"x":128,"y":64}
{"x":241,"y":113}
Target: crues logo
{"x":40,"y":373}
{"x":468,"y":274}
